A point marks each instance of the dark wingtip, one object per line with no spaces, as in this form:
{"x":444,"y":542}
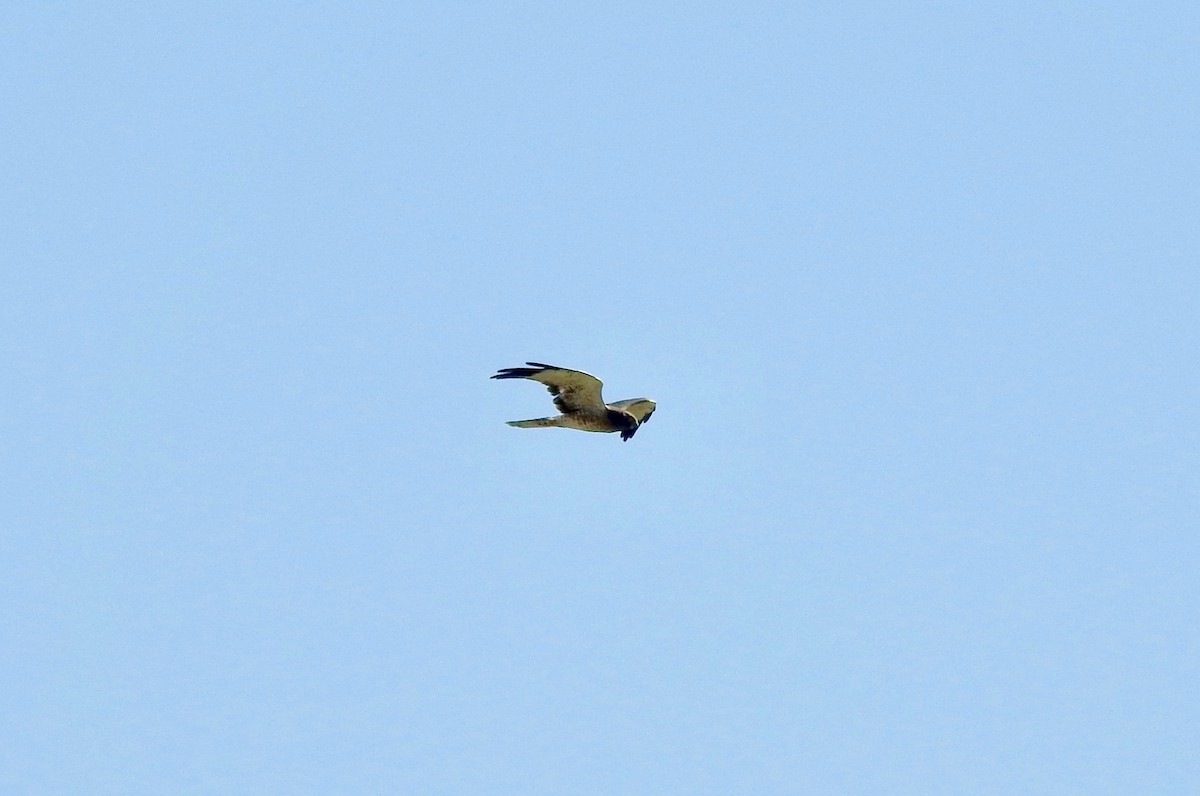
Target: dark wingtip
{"x":514,"y":373}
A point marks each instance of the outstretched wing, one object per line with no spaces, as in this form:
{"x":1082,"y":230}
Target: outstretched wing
{"x":574,"y":391}
{"x":640,"y":408}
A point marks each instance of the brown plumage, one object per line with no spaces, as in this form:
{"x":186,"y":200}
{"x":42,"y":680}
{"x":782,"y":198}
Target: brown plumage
{"x":577,"y":397}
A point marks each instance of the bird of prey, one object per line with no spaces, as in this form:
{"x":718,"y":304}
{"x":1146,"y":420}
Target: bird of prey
{"x":577,"y":396}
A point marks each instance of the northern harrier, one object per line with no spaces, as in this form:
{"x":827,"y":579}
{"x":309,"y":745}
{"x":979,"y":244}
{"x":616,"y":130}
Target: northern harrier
{"x":577,"y":396}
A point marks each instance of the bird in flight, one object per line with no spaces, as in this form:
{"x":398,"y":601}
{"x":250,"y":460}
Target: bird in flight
{"x":577,"y":396}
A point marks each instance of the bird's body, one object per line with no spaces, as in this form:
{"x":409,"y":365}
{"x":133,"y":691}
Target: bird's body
{"x":577,"y":396}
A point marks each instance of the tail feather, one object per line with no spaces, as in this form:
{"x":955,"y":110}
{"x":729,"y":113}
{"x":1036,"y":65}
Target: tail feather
{"x":541,"y":422}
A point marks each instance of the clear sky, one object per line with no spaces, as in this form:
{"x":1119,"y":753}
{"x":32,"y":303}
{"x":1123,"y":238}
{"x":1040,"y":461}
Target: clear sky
{"x":916,"y":287}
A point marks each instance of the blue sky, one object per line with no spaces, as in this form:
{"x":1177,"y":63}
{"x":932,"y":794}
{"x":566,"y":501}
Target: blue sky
{"x":915,"y":286}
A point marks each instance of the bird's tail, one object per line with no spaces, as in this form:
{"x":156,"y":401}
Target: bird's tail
{"x":541,"y":422}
